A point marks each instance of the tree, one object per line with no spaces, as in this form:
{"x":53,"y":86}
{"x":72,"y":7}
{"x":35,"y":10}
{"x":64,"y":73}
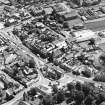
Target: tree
{"x":60,"y":97}
{"x":100,"y":98}
{"x":81,"y":58}
{"x":89,"y":99}
{"x":54,"y":13}
{"x":10,"y":85}
{"x":78,"y":2}
{"x":69,"y":100}
{"x":76,"y":72}
{"x":78,"y":96}
{"x":47,"y":100}
{"x":102,"y":59}
{"x":54,"y":89}
{"x":40,"y":97}
{"x":25,"y":96}
{"x":86,"y":73}
{"x":92,"y":42}
{"x":65,"y":25}
{"x":32,"y":92}
{"x":70,"y":86}
{"x":8,"y":97}
{"x":85,"y":89}
{"x":15,"y":32}
{"x":78,"y":86}
{"x":60,"y":20}
{"x":7,"y":24}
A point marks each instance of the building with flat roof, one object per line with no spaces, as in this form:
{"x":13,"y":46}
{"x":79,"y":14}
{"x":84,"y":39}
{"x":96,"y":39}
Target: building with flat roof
{"x":84,"y":35}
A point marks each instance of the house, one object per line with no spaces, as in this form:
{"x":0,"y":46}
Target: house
{"x":74,"y":22}
{"x":59,"y":43}
{"x":69,"y":15}
{"x":86,"y":2}
{"x":48,"y":10}
{"x":36,"y":11}
{"x":57,"y":53}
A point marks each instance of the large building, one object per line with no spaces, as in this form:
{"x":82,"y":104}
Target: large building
{"x":86,"y":2}
{"x":84,"y":35}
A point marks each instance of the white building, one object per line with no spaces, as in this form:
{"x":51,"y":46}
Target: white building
{"x":84,"y":35}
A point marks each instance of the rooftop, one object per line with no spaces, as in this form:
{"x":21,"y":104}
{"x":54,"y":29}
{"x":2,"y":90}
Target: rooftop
{"x":84,"y":35}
